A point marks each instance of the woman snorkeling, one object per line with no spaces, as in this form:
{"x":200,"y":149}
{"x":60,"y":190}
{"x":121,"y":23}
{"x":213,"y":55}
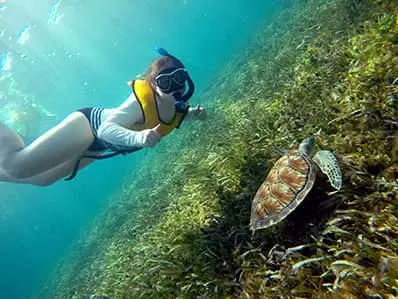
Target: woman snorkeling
{"x":157,"y":105}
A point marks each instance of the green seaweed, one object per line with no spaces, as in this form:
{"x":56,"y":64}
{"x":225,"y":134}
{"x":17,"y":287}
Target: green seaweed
{"x":180,"y":229}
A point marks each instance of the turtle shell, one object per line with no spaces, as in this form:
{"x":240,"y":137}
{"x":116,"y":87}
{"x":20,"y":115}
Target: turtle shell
{"x":287,"y":184}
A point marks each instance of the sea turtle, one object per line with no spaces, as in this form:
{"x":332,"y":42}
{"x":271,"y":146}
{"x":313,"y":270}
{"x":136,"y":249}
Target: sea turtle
{"x":289,"y":181}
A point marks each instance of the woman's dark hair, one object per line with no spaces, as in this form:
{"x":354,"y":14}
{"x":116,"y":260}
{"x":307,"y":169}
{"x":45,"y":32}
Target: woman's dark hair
{"x":160,"y":64}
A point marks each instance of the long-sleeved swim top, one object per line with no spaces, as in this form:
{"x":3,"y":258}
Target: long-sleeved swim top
{"x":114,"y":126}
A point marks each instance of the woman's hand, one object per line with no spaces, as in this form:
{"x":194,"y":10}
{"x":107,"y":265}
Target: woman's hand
{"x":200,"y":112}
{"x":150,"y":137}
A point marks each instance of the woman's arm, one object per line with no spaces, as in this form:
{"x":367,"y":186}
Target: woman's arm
{"x":114,"y":129}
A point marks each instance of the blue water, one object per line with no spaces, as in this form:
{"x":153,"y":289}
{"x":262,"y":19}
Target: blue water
{"x":72,"y":54}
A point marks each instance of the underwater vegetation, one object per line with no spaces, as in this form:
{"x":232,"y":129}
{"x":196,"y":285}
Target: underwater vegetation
{"x":181,"y":228}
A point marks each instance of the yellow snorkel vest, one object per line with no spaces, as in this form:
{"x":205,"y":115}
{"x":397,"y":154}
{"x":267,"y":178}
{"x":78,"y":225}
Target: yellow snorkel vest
{"x":145,"y":96}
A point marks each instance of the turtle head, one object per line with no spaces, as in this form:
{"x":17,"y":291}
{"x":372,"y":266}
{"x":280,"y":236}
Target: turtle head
{"x":307,"y":146}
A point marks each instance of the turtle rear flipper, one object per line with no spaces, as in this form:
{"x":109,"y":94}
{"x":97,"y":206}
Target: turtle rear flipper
{"x":329,"y":165}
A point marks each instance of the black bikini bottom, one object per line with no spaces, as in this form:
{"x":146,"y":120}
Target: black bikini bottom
{"x":97,"y":145}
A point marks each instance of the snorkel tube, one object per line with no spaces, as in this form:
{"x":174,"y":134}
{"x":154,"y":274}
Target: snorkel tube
{"x":162,"y":51}
{"x":180,"y":99}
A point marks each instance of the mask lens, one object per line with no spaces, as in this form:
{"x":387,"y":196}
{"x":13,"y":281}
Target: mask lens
{"x":180,"y":76}
{"x":172,"y":80}
{"x":163,"y":82}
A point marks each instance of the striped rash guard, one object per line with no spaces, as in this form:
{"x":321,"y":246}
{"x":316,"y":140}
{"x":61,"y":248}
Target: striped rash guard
{"x":122,"y":128}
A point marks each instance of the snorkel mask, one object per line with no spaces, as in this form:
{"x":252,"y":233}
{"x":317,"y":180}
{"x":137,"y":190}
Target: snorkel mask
{"x":172,"y":80}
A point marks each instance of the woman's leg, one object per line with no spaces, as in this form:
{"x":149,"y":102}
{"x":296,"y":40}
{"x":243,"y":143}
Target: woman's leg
{"x":51,"y":176}
{"x":66,"y":141}
{"x":9,"y":142}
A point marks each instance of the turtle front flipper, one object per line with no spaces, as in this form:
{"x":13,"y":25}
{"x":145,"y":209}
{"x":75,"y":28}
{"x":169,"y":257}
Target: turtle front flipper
{"x":329,"y":165}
